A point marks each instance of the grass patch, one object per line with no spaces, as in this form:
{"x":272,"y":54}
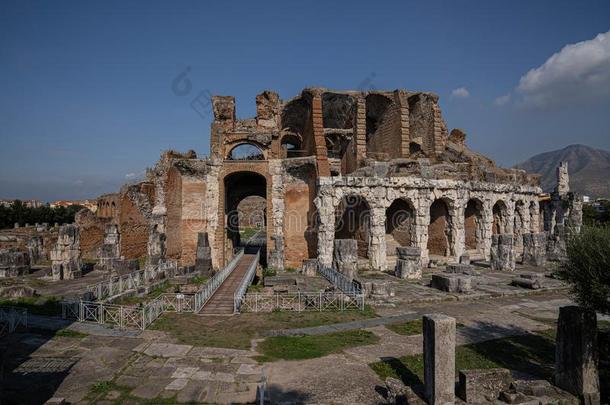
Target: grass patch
{"x":68,"y":333}
{"x":411,"y":328}
{"x":99,"y":391}
{"x":237,"y":331}
{"x":310,"y":347}
{"x":247,"y":233}
{"x":154,"y":293}
{"x":35,"y":305}
{"x":533,"y":353}
{"x":198,"y":280}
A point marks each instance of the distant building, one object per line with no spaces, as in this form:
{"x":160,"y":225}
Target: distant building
{"x":27,"y":203}
{"x":90,"y":204}
{"x":586,"y":199}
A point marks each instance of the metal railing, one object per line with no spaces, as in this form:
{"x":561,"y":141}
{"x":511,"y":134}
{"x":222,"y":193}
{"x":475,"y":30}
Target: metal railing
{"x":245,"y":282}
{"x":124,"y":316}
{"x":340,"y":281}
{"x":205,"y":293}
{"x":11,"y":318}
{"x":302,"y":301}
{"x":117,"y":285}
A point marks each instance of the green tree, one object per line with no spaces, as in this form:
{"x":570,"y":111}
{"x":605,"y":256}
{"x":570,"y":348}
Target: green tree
{"x":587,"y":267}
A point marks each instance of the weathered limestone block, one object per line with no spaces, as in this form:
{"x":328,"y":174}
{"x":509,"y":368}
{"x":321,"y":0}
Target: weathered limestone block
{"x":345,"y":257}
{"x":531,"y":283}
{"x":439,"y":358}
{"x":467,"y":269}
{"x":483,"y":385}
{"x":17,"y":291}
{"x":465,"y":259}
{"x":556,"y":244}
{"x":576,"y":353}
{"x":203,"y":259}
{"x":14,"y":264}
{"x":35,"y":249}
{"x":310,"y":267}
{"x":408,"y":264}
{"x":276,"y":255}
{"x":156,"y":244}
{"x":452,"y":283}
{"x":400,"y":394}
{"x":110,"y":250}
{"x":534,"y":249}
{"x":65,"y":256}
{"x":502,"y":253}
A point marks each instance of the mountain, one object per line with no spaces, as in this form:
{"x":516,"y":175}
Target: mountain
{"x":589,"y":169}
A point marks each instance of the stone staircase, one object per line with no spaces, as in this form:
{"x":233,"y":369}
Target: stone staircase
{"x":221,"y":303}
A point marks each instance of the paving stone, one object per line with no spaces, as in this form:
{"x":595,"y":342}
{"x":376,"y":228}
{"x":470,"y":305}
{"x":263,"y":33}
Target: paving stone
{"x":202,"y":375}
{"x":129,"y":381}
{"x":177,"y":384}
{"x":167,"y":350}
{"x":184,"y":372}
{"x":249,"y":369}
{"x":151,"y":389}
{"x":223,"y":377}
{"x":194,"y":391}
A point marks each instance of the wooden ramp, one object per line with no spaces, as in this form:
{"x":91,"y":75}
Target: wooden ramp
{"x":221,"y":303}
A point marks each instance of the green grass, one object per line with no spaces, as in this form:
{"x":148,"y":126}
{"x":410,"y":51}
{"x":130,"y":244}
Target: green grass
{"x":236,"y":332}
{"x":247,"y":233}
{"x":99,"y":391}
{"x":198,"y":280}
{"x":35,"y":305}
{"x":532,"y":353}
{"x":410,"y":328}
{"x":310,"y":347}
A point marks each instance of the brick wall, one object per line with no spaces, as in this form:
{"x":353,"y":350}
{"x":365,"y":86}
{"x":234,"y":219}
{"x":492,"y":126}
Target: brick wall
{"x":92,"y":230}
{"x":173,"y":204}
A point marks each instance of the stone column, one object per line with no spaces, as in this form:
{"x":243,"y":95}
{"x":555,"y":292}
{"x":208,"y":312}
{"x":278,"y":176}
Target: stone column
{"x":439,"y":358}
{"x":502,"y":253}
{"x":458,"y":232}
{"x":326,"y":227}
{"x":377,"y":248}
{"x":345,"y":257}
{"x":65,"y":256}
{"x":488,"y":220}
{"x":534,"y":249}
{"x":203,"y":259}
{"x":408,"y":264}
{"x":422,"y":206}
{"x":576,"y":353}
{"x":276,"y":254}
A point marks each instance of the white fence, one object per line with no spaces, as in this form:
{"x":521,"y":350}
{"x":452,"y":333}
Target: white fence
{"x":339,"y":280}
{"x":11,"y":318}
{"x":301,"y":301}
{"x":204,"y":294}
{"x":247,"y":280}
{"x":117,"y":285}
{"x":140,"y":317}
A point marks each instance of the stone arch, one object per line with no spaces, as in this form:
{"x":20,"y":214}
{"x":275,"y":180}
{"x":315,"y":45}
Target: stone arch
{"x":500,"y":217}
{"x":440,"y":237}
{"x":291,"y":146}
{"x":353,"y":221}
{"x":246,"y":151}
{"x":400,"y":227}
{"x":474,"y":225}
{"x":238,"y":186}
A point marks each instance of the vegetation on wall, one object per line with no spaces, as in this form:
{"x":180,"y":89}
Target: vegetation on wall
{"x":18,"y":212}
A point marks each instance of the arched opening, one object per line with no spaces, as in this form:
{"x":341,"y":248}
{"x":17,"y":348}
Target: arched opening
{"x":245,"y":213}
{"x":246,"y":151}
{"x":399,"y":228}
{"x":518,"y":223}
{"x":439,"y":229}
{"x":376,"y":106}
{"x":291,"y":147}
{"x":473,"y":225}
{"x":352,"y":221}
{"x":500,"y":218}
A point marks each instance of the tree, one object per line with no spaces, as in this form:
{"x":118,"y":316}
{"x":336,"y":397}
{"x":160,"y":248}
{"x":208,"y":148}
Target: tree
{"x":587,"y":268}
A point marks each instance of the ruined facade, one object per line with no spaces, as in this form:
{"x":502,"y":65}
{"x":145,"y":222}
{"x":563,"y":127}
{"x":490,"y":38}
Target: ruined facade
{"x":379,"y":167}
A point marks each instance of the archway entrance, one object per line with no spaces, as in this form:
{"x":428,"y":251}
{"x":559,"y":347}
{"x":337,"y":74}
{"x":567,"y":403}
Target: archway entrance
{"x":246,"y":213}
{"x":352,"y":221}
{"x":439,"y":230}
{"x":473,"y":225}
{"x":500,"y":217}
{"x":399,"y":228}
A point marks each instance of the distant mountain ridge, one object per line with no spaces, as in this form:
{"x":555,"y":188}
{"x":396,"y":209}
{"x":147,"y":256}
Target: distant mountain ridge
{"x":589,"y":169}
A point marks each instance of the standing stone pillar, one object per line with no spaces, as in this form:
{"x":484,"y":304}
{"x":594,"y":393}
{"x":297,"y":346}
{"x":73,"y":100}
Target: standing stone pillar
{"x":377,"y":247}
{"x":110,"y":251}
{"x":35,"y":249}
{"x":65,"y":256}
{"x":534,"y":249}
{"x":203,"y":259}
{"x":408,"y":264}
{"x":421,"y":225}
{"x":487,"y":228}
{"x":345,"y":257}
{"x":155,"y":248}
{"x":576,"y":353}
{"x":457,"y":229}
{"x":326,"y":227}
{"x":439,"y":359}
{"x":502,"y":252}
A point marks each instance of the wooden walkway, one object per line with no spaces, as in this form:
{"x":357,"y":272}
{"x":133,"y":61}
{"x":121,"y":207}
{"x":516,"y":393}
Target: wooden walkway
{"x":221,"y":303}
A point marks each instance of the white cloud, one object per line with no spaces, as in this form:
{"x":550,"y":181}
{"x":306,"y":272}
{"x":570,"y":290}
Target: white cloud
{"x":460,"y":92}
{"x":134,"y":176}
{"x":130,"y":175}
{"x":578,"y":72}
{"x":502,"y":100}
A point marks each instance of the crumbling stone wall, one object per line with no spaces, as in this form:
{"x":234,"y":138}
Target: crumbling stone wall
{"x":66,"y":255}
{"x":135,"y":213}
{"x":91,"y":228}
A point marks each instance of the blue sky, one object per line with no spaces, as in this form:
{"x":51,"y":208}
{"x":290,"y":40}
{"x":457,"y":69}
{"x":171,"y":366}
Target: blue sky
{"x":86,"y":100}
